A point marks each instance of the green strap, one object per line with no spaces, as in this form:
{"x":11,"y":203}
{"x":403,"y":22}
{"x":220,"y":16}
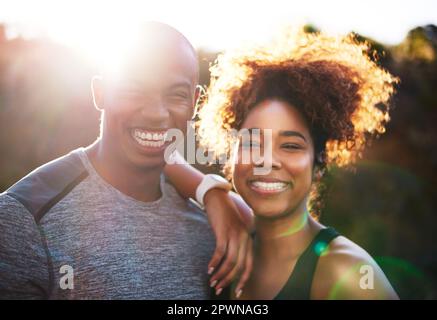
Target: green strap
{"x":298,"y":286}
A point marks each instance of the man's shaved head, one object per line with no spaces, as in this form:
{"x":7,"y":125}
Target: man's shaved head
{"x":165,"y":30}
{"x":153,"y":45}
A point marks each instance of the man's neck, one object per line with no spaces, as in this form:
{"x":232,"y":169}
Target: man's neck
{"x":138,"y":183}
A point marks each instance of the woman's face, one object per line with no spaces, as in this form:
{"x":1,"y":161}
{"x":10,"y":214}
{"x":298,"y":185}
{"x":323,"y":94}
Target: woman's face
{"x":286,"y":187}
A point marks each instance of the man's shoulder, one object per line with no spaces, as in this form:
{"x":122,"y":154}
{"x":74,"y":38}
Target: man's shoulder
{"x":45,"y":186}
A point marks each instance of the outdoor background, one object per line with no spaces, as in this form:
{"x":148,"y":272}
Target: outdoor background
{"x":388,"y":206}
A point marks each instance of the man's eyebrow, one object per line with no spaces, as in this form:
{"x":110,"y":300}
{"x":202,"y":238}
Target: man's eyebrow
{"x":127,"y":82}
{"x":181,"y":84}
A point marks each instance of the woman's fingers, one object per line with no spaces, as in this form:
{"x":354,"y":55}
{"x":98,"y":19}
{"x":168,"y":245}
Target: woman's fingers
{"x":248,"y":265}
{"x":219,"y":253}
{"x":228,"y":263}
{"x":238,"y":268}
{"x":233,"y":265}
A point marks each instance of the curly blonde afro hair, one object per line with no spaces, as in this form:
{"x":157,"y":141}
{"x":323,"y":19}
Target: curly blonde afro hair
{"x":342,"y":93}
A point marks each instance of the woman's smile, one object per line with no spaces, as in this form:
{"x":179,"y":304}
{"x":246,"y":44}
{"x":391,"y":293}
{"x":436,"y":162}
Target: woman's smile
{"x":268,"y":186}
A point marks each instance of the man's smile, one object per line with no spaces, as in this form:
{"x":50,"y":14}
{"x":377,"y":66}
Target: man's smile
{"x":149,"y":139}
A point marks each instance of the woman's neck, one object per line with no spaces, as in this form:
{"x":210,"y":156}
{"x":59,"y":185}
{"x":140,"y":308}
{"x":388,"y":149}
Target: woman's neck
{"x":285,"y":237}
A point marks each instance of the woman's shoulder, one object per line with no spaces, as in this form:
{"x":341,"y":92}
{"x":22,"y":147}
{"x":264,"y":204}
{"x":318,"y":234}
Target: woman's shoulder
{"x":347,"y":271}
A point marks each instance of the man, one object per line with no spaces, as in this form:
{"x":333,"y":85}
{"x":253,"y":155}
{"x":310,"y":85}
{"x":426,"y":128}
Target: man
{"x":101,"y":222}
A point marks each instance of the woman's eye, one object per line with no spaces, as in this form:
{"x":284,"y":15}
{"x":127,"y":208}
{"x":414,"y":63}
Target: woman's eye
{"x":250,"y":144}
{"x":291,"y":146}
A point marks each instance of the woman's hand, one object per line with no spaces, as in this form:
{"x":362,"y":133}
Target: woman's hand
{"x":231,"y":221}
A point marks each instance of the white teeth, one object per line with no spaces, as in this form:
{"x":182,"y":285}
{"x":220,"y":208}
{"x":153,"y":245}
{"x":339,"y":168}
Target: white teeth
{"x":155,"y":144}
{"x":269,"y":186}
{"x":148,"y":138}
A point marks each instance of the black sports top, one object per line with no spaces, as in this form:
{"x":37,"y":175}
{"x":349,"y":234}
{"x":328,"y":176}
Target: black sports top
{"x":298,"y":285}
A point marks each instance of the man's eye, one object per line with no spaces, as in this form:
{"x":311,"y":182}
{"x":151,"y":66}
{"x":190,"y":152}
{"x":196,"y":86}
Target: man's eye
{"x":178,"y":95}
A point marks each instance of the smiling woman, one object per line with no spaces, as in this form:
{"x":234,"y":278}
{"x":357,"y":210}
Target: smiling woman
{"x":322,"y":98}
{"x":342,"y":95}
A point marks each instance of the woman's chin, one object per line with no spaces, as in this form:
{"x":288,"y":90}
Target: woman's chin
{"x":268,"y":213}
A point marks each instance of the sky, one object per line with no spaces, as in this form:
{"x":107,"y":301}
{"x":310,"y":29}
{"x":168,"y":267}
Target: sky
{"x":215,"y":25}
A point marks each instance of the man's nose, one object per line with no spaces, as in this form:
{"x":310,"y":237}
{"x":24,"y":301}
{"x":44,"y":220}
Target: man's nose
{"x":155,"y":112}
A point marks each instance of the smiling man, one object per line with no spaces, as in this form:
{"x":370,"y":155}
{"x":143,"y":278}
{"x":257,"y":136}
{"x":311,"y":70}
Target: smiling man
{"x":101,"y":222}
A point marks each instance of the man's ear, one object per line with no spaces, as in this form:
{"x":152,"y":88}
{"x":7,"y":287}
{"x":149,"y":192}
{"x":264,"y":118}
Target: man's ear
{"x":97,"y":90}
{"x":198,"y":95}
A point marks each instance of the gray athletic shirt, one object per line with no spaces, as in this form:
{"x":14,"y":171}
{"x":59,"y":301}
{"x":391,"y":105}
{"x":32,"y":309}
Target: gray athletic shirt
{"x":64,"y":213}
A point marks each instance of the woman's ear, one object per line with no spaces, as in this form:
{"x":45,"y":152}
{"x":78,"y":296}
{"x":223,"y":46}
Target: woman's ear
{"x":318,"y":173}
{"x":97,"y":91}
{"x":318,"y":167}
{"x":318,"y":170}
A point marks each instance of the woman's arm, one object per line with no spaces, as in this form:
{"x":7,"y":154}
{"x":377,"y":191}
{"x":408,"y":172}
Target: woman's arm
{"x":347,"y":271}
{"x":230,"y":218}
{"x":186,"y":178}
{"x":183,"y":176}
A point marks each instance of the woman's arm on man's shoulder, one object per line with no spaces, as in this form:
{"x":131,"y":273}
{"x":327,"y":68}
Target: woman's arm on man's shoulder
{"x":230,"y":219}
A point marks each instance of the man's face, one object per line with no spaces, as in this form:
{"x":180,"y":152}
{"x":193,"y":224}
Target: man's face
{"x":155,"y":92}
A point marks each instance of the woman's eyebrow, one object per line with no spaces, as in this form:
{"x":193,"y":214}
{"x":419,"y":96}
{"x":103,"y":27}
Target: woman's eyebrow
{"x":284,"y":133}
{"x":291,"y":133}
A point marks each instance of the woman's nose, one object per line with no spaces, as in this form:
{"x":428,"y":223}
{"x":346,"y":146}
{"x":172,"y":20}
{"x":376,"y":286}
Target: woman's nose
{"x":269,"y":160}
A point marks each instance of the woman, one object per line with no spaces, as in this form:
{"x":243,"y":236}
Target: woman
{"x":322,"y":98}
